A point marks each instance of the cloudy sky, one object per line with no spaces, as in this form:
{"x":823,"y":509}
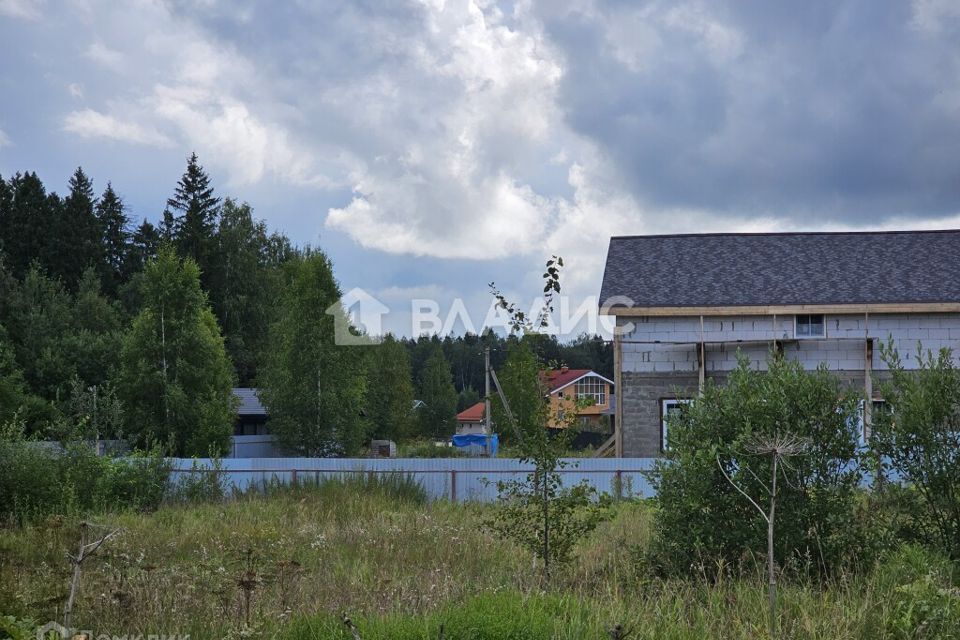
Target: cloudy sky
{"x":431,"y":147}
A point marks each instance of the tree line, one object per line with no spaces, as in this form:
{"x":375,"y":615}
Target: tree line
{"x":109,"y":328}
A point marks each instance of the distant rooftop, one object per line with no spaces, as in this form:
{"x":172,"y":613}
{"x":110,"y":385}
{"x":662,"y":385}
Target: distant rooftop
{"x":250,"y":404}
{"x":757,"y":269}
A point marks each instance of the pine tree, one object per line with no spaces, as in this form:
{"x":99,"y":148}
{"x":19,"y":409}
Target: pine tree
{"x":390,"y":391}
{"x":313,"y":388}
{"x":190,"y":218}
{"x":112,"y":221}
{"x":438,"y":415}
{"x":175,"y":378}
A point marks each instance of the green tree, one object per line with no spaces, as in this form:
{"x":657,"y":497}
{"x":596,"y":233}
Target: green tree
{"x":918,"y":440}
{"x":40,"y":322}
{"x":703,"y":521}
{"x":467,"y":398}
{"x":76,"y":234}
{"x":115,"y":239}
{"x":144,"y":246}
{"x":28,"y":218}
{"x":438,"y":416}
{"x":13,"y":390}
{"x":390,"y":391}
{"x":313,"y":388}
{"x":538,"y":512}
{"x":175,"y":379}
{"x":96,"y":332}
{"x":240,"y":286}
{"x":190,"y":219}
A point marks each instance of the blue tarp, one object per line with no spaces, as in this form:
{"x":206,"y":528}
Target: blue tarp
{"x":488,"y":443}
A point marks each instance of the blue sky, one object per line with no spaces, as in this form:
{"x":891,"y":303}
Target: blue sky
{"x":431,"y":147}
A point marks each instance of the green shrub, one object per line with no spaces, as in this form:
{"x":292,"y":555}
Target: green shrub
{"x":704,"y":523}
{"x":918,"y":441}
{"x":38,"y":479}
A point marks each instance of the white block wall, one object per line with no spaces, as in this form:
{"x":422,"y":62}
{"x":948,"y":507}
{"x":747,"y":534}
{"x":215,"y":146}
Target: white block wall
{"x":837,"y":350}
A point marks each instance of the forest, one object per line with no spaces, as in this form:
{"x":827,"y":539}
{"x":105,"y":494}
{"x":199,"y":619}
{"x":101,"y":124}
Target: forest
{"x":112,"y":326}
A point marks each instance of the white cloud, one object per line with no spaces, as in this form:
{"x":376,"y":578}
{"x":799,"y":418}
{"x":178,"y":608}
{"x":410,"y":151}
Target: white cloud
{"x":105,"y":56}
{"x":75,"y":89}
{"x":93,"y":124}
{"x":4,"y":139}
{"x":451,"y":181}
{"x":25,"y":9}
{"x":929,"y":15}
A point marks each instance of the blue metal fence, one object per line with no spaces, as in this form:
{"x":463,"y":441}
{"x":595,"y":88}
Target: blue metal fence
{"x":456,"y":479}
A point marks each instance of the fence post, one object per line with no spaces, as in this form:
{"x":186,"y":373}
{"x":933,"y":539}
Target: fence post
{"x":619,"y":481}
{"x":453,"y":485}
{"x":293,"y":477}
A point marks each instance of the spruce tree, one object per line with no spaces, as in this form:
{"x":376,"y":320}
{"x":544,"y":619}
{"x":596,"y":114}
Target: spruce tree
{"x":144,"y":245}
{"x":75,"y":235}
{"x":190,"y":218}
{"x":112,"y":221}
{"x":175,"y":378}
{"x":6,"y":204}
{"x":28,"y":221}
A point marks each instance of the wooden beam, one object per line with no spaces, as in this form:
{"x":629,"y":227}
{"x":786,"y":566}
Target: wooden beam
{"x":618,"y":388}
{"x":701,"y":358}
{"x":766,"y":310}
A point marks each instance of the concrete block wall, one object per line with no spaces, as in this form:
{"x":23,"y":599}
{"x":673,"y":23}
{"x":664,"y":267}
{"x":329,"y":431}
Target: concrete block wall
{"x":651,"y":372}
{"x":841,"y":350}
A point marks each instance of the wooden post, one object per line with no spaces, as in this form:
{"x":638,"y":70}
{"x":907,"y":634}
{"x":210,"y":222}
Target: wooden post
{"x":618,"y":384}
{"x":701,"y":358}
{"x":453,"y":485}
{"x":867,"y":376}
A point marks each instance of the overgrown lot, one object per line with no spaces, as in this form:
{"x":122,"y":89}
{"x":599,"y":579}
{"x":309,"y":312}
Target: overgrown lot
{"x":289,"y":563}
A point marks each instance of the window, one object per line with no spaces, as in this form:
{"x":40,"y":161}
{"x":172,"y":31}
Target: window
{"x":810,"y":326}
{"x":668,"y":407}
{"x":592,"y":387}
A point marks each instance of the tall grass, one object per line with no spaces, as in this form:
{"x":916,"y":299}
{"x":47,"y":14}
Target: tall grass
{"x":401,"y":567}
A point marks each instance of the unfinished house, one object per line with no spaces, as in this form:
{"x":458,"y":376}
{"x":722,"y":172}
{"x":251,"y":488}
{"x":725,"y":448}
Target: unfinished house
{"x":686,"y":304}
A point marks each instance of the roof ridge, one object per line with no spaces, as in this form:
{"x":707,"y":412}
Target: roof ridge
{"x":783,"y":233}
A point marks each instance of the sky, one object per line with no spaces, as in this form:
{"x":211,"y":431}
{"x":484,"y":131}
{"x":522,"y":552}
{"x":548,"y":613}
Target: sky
{"x":431,"y":147}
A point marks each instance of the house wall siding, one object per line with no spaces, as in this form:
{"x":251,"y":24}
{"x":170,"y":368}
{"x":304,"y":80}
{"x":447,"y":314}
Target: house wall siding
{"x":651,"y":372}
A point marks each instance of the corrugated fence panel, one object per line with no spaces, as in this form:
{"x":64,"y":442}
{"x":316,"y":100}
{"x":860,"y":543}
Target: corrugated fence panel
{"x":458,"y":479}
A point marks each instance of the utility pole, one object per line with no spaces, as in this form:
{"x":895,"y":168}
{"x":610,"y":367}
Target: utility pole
{"x":486,"y":392}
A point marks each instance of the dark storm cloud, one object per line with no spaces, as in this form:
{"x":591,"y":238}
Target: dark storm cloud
{"x":847,"y":112}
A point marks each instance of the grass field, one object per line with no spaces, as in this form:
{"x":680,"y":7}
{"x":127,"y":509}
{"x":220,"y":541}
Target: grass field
{"x":402,"y":568}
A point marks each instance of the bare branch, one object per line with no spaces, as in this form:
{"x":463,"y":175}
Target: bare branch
{"x":742,"y":492}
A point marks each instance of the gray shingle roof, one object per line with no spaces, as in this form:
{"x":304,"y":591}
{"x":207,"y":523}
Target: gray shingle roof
{"x":784,"y":268}
{"x":250,"y":404}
